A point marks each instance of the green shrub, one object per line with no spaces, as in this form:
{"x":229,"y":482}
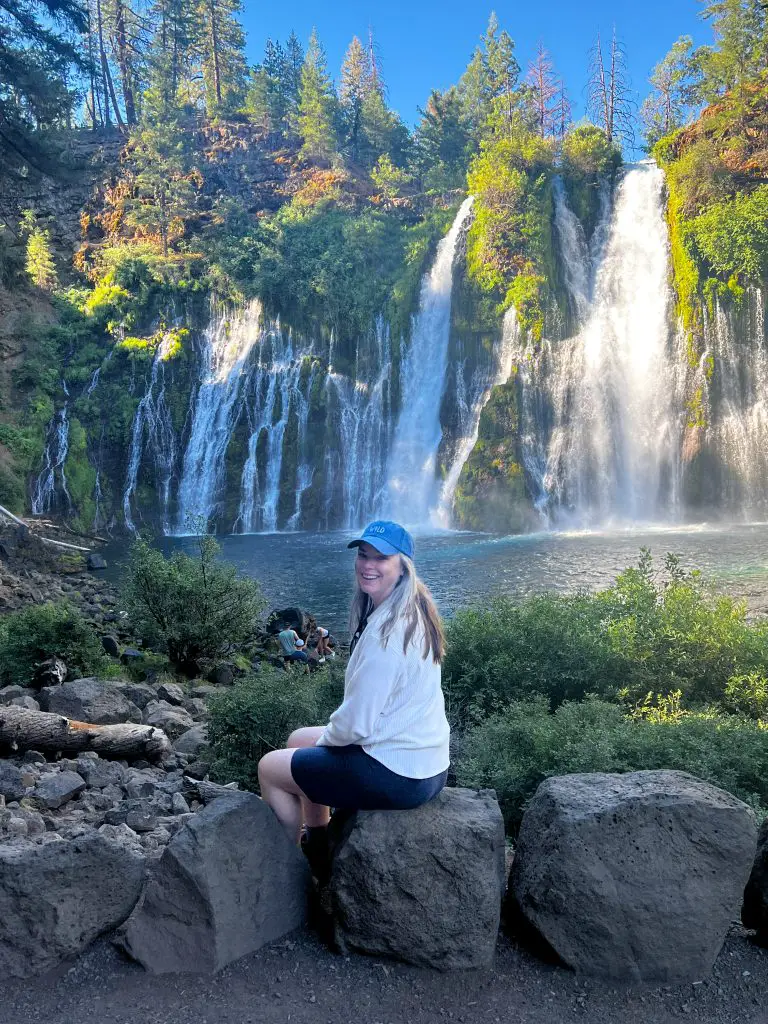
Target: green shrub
{"x":258,"y":713}
{"x":42,"y":631}
{"x":196,"y":608}
{"x":650,"y":631}
{"x":514,"y":750}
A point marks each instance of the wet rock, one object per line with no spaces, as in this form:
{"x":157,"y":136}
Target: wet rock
{"x":445,"y":858}
{"x":227,"y":883}
{"x":95,"y":562}
{"x":634,"y":877}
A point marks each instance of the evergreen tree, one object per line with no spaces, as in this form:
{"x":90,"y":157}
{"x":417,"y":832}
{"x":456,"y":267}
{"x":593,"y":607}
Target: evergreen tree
{"x":741,"y":53}
{"x":317,"y":107}
{"x":488,"y":88}
{"x":39,"y":263}
{"x":503,"y":71}
{"x":294,"y":62}
{"x":443,"y":140}
{"x":355,"y":87}
{"x":170,"y":58}
{"x":664,"y":110}
{"x":39,"y":47}
{"x":220,"y":45}
{"x":165,"y":185}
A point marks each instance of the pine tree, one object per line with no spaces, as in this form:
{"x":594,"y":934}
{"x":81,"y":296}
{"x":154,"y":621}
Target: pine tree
{"x":488,"y":88}
{"x":220,"y":45}
{"x":664,"y":110}
{"x":170,"y":58}
{"x":317,"y":107}
{"x":40,"y":44}
{"x":443,"y":140}
{"x":355,"y":86}
{"x":503,"y":70}
{"x":741,"y":33}
{"x":39,"y":263}
{"x":165,"y":186}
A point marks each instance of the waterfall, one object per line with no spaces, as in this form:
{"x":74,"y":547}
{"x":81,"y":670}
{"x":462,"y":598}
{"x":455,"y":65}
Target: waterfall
{"x":227,"y":343}
{"x":54,"y":456}
{"x":739,"y":431}
{"x":273,"y":391}
{"x":574,"y":252}
{"x":471,"y":402}
{"x":413,"y":458}
{"x":305,"y":471}
{"x":362,"y":413}
{"x":153,"y":430}
{"x":602,"y":405}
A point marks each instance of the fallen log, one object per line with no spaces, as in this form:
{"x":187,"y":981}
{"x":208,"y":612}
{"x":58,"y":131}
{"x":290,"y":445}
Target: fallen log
{"x":21,"y":729}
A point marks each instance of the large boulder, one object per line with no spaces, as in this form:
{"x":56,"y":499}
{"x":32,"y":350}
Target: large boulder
{"x":228,"y":882}
{"x":289,"y":618}
{"x":172,"y":720}
{"x":423,"y":886}
{"x":51,"y":672}
{"x":56,"y":897}
{"x":754,"y":913}
{"x":90,"y":700}
{"x":634,"y":877}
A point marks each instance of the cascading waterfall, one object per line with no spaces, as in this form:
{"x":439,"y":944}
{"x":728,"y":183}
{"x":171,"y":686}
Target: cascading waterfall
{"x":305,"y":471}
{"x":605,"y":407}
{"x":362,"y":411}
{"x":413,"y":458}
{"x":153,"y":431}
{"x":739,"y":431}
{"x":274,"y":389}
{"x":227,"y":343}
{"x":470,"y":408}
{"x":54,"y":457}
{"x":575,"y":253}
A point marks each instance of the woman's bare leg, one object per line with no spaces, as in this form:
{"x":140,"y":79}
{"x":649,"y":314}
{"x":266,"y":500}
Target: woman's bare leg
{"x":281,"y":792}
{"x":315,"y":815}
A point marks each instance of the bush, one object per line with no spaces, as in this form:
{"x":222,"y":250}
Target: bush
{"x":197,"y":608}
{"x":42,"y":631}
{"x":258,"y":713}
{"x":650,"y":631}
{"x":514,"y":750}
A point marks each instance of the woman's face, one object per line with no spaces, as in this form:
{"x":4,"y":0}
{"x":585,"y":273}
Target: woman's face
{"x":377,"y":574}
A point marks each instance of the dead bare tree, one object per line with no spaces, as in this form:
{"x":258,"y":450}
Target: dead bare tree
{"x":609,"y":92}
{"x":544,"y":87}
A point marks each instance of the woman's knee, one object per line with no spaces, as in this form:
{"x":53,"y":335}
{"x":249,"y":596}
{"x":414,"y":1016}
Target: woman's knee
{"x":306,"y":737}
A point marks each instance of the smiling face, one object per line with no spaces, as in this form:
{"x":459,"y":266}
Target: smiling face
{"x":377,"y":574}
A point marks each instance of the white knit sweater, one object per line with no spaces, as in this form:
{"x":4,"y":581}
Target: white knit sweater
{"x":393,"y":704}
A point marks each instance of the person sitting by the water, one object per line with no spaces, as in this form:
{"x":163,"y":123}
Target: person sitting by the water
{"x":291,"y":644}
{"x":386,"y":746}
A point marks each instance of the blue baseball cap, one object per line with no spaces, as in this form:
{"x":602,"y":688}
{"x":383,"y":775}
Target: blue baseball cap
{"x":388,"y":538}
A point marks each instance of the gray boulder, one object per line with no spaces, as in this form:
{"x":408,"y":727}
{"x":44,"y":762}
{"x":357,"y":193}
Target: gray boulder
{"x":90,"y":700}
{"x":172,"y":720}
{"x":139,"y":694}
{"x":228,"y":882}
{"x":634,"y":877}
{"x":111,"y":645}
{"x":754,"y":913}
{"x":194,"y":741}
{"x":423,"y":886}
{"x":26,"y":702}
{"x":57,"y":788}
{"x":100,"y":773}
{"x":8,"y":694}
{"x":96,"y":561}
{"x":172,"y":693}
{"x":56,"y":897}
{"x":12,"y":785}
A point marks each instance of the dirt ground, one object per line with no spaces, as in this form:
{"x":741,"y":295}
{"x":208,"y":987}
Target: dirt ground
{"x":298,"y":980}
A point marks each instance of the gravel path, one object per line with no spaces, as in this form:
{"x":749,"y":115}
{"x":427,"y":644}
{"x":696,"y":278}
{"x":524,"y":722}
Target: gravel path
{"x":299,"y":981}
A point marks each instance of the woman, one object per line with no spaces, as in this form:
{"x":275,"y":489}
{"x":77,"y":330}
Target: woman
{"x":386,"y":746}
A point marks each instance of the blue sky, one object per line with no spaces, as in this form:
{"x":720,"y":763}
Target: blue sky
{"x":426,"y":44}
